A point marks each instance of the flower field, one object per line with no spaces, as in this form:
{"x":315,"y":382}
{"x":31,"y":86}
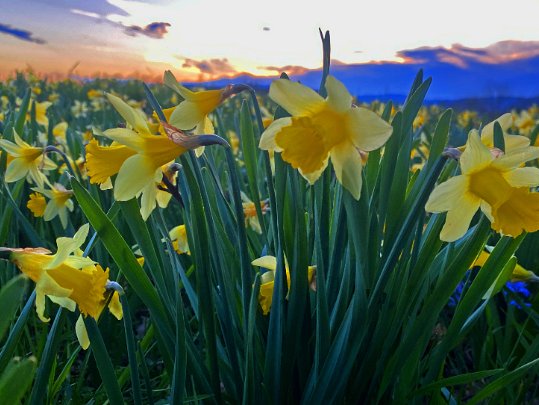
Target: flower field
{"x":165,"y":244}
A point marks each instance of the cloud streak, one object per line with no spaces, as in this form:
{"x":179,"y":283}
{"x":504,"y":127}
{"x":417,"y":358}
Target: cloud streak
{"x":155,"y":30}
{"x":20,"y":34}
{"x":213,"y":67}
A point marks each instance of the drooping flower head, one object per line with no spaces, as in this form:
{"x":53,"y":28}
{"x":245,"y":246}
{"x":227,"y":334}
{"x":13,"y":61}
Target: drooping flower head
{"x":267,"y":281}
{"x":69,"y":280}
{"x":322,"y":128}
{"x":136,"y":154}
{"x":494,"y":182}
{"x":59,"y":203}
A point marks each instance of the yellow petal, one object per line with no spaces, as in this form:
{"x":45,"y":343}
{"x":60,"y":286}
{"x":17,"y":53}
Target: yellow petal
{"x":148,"y":200}
{"x":347,"y":164}
{"x":515,"y":159}
{"x":136,"y":172}
{"x":458,"y":220}
{"x":267,"y":139}
{"x":520,"y":212}
{"x":447,"y":195}
{"x":475,"y":155}
{"x":82,"y":333}
{"x":186,"y":115}
{"x":338,"y":98}
{"x":523,"y":177}
{"x":115,"y":306}
{"x":102,"y":162}
{"x":295,"y":98}
{"x":267,"y":262}
{"x":129,"y":114}
{"x":366,"y":129}
{"x":16,"y":170}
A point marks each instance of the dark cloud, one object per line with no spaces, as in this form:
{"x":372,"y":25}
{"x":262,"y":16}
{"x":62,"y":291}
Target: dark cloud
{"x":288,"y":69}
{"x":463,"y":56}
{"x":210,"y":66}
{"x":266,"y":28}
{"x":21,"y":34}
{"x":155,"y":30}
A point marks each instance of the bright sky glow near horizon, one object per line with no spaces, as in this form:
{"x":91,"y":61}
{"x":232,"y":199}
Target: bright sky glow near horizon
{"x":209,"y":38}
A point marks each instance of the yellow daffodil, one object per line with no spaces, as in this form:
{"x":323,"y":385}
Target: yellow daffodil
{"x":59,"y":203}
{"x":5,"y":101}
{"x":265,"y":296}
{"x":193,"y":111}
{"x":513,"y":143}
{"x":41,"y":112}
{"x":525,"y":122}
{"x":37,"y":204}
{"x":115,"y":308}
{"x":53,"y":97}
{"x":59,"y":132}
{"x":323,"y":128}
{"x":493,"y":182}
{"x":93,"y":94}
{"x":61,"y":276}
{"x":27,"y":160}
{"x":178,"y":236}
{"x":137,"y":155}
{"x":249,"y":212}
{"x":519,"y":272}
{"x":79,"y":109}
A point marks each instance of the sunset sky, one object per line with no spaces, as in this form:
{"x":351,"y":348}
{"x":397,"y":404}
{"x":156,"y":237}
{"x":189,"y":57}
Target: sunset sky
{"x":207,"y":39}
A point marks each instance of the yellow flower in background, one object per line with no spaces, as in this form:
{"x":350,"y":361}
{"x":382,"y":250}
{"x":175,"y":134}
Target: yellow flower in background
{"x":519,"y":272}
{"x":525,"y":122}
{"x":267,"y":279}
{"x":513,"y":143}
{"x":27,"y":161}
{"x":93,"y":94}
{"x":323,"y":128}
{"x":37,"y":204}
{"x":79,"y":109}
{"x":494,"y":183}
{"x":53,"y":97}
{"x":5,"y":101}
{"x":59,"y":203}
{"x":59,"y":132}
{"x":249,"y":211}
{"x":193,"y":111}
{"x":178,"y":236}
{"x":41,"y":112}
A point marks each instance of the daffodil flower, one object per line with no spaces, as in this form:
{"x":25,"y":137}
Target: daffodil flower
{"x":265,"y":296}
{"x":41,"y":112}
{"x":196,"y":106}
{"x":59,"y":132}
{"x":322,"y":128}
{"x":178,"y":236}
{"x":513,"y":143}
{"x":249,"y":212}
{"x":27,"y":160}
{"x":493,"y":182}
{"x":137,"y":155}
{"x":519,"y":272}
{"x":59,"y":203}
{"x":68,"y":279}
{"x":37,"y":204}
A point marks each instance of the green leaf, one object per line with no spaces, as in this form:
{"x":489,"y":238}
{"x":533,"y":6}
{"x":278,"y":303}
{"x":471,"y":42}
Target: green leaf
{"x":16,"y":379}
{"x":126,"y":261}
{"x":10,"y":299}
{"x":499,"y":141}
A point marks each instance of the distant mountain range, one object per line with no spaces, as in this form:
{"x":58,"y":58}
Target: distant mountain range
{"x":464,"y":83}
